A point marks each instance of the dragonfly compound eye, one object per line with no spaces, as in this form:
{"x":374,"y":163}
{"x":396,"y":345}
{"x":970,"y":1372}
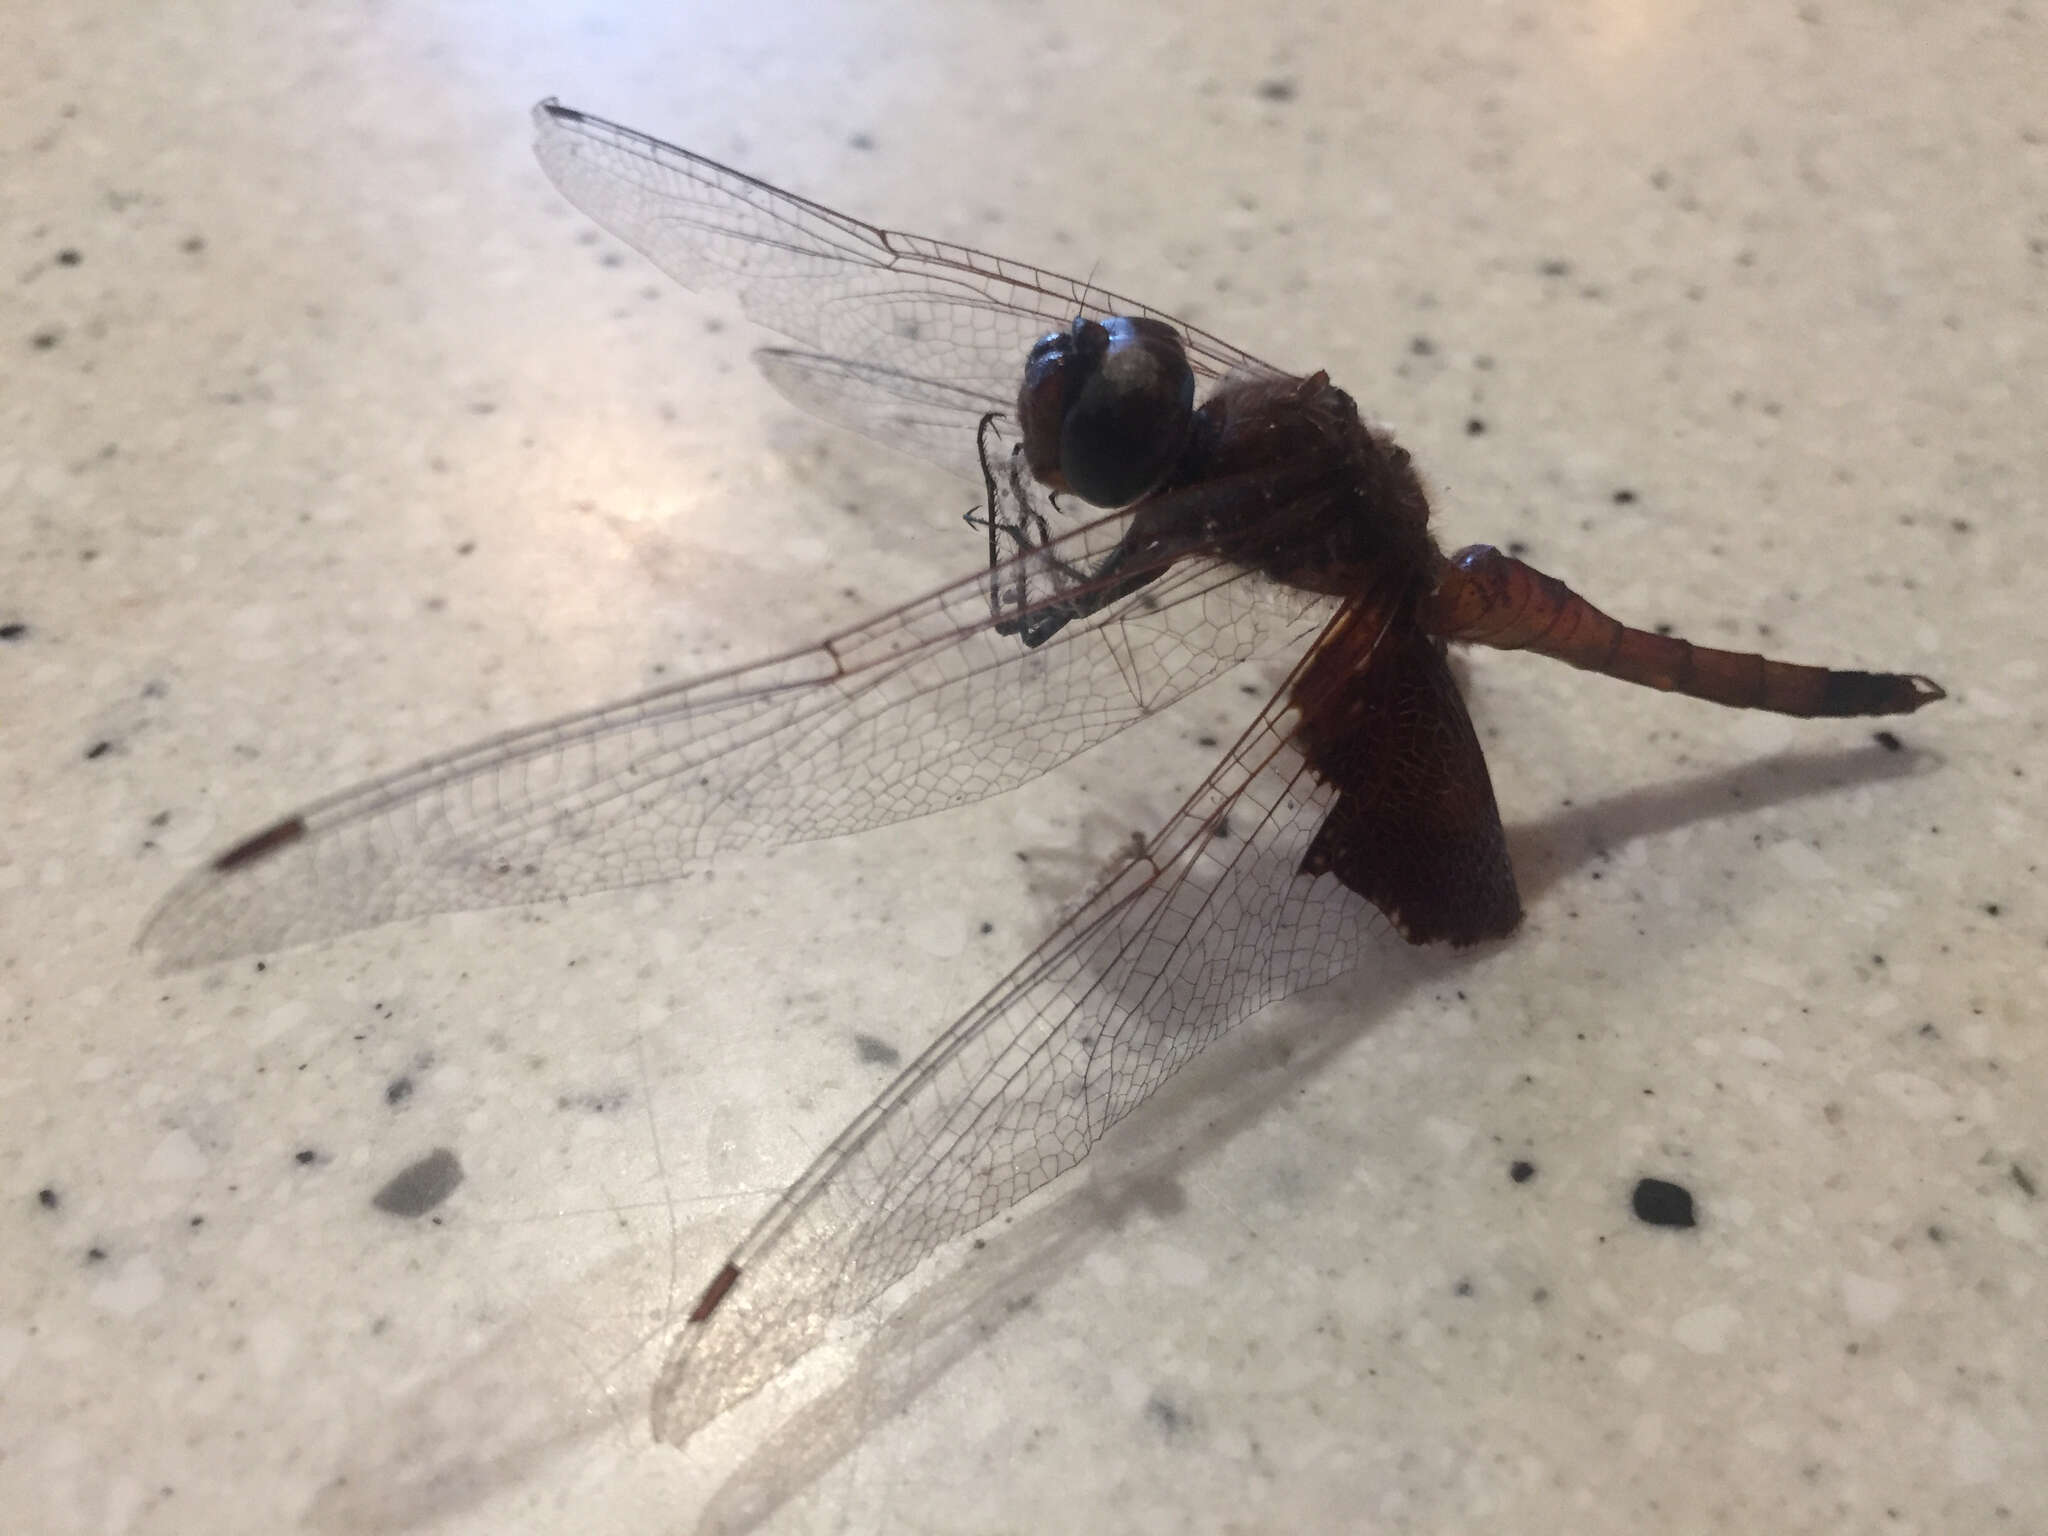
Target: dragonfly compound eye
{"x":1106,"y":408}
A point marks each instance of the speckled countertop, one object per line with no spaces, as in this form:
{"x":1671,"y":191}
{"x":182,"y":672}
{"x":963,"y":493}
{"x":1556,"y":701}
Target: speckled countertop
{"x":330,"y":435}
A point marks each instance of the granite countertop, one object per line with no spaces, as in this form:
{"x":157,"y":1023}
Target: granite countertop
{"x":335,"y":437}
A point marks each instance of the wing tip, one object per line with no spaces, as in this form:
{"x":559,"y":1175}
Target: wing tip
{"x":171,"y":935}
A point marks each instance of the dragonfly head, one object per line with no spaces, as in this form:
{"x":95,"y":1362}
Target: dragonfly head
{"x":1106,"y":407}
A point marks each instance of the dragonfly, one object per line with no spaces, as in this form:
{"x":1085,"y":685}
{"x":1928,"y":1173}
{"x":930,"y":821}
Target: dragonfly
{"x":1158,"y":507}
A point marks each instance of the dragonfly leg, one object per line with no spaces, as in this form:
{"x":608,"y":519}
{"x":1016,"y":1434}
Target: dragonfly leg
{"x":1022,"y":562}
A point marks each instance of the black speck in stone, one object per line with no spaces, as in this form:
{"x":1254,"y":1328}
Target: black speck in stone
{"x":1887,"y":740}
{"x":418,"y":1188}
{"x":1518,"y":548}
{"x":1521,"y":1172}
{"x":305,"y":1157}
{"x":1422,"y":346}
{"x":12,"y":631}
{"x":43,"y":341}
{"x":862,"y":141}
{"x":1474,"y":426}
{"x":68,"y":257}
{"x":48,"y":1198}
{"x":1624,"y":497}
{"x":1662,"y":1204}
{"x":2021,"y":1177}
{"x":95,"y":1254}
{"x":878,"y":1053}
{"x":1280,"y":89}
{"x":398,"y":1090}
{"x":98,"y":749}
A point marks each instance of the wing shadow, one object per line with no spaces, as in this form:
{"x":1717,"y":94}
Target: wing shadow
{"x":1231,"y":1086}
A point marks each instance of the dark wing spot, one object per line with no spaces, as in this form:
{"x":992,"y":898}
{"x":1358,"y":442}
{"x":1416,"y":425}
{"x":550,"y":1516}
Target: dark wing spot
{"x":269,"y":840}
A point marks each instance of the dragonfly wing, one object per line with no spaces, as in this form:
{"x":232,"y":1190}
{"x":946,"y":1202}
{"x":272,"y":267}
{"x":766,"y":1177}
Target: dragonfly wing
{"x":839,"y":287}
{"x":1213,"y":922}
{"x":925,"y":418}
{"x":1415,"y":828}
{"x":921,"y":709}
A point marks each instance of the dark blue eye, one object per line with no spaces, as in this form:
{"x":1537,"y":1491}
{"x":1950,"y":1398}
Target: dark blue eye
{"x":1106,"y":408}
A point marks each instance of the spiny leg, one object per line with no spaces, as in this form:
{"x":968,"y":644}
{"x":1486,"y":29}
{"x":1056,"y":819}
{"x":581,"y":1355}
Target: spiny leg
{"x":1085,"y":591}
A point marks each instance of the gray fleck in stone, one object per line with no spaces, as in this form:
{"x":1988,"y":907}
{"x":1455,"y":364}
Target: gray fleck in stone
{"x":879,"y":1053}
{"x":1170,"y":1420}
{"x":417,"y":1189}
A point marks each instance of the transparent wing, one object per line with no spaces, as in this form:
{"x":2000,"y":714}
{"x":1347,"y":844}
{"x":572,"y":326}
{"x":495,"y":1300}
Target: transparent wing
{"x":883,"y":305}
{"x":914,"y":415}
{"x":1213,"y":922}
{"x":926,"y":707}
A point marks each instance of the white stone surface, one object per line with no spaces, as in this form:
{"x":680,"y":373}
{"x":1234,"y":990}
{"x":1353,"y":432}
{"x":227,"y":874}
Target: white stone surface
{"x":344,"y":439}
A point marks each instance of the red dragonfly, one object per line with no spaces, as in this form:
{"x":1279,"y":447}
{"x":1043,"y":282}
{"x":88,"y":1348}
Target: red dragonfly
{"x":1159,"y":507}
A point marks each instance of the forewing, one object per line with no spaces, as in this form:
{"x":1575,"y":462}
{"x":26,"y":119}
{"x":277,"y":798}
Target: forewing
{"x":924,"y":708}
{"x":1211,"y":924}
{"x":877,"y":299}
